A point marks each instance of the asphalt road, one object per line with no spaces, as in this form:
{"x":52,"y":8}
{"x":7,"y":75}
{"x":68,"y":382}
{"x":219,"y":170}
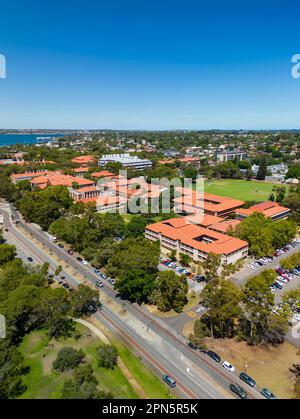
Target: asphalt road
{"x":166,"y":352}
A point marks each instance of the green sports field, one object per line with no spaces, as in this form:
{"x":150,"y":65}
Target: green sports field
{"x":240,"y":189}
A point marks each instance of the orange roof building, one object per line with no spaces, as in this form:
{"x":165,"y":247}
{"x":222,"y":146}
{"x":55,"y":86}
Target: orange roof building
{"x":269,"y":209}
{"x":58,"y":179}
{"x":80,"y":171}
{"x":15,"y":178}
{"x":102,"y":174}
{"x":84,"y":160}
{"x":192,"y":202}
{"x":180,"y":235}
{"x":107,"y":203}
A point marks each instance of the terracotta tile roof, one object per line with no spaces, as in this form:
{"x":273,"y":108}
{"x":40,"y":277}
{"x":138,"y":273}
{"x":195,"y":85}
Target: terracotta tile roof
{"x":268,"y":208}
{"x":102,"y":173}
{"x":81,"y":170}
{"x":83,"y":160}
{"x":203,"y":219}
{"x":207,"y":202}
{"x":200,"y":238}
{"x":58,"y":179}
{"x":28,"y":174}
{"x":225,"y":225}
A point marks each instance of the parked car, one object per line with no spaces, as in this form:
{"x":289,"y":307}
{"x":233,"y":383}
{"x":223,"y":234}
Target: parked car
{"x":238,"y":390}
{"x":247,"y":379}
{"x":30,"y":259}
{"x":70,"y":252}
{"x":213,"y":355}
{"x":228,"y":366}
{"x":268,"y":394}
{"x":61,"y":245}
{"x":169,"y":380}
{"x":278,"y":285}
{"x":192,"y":346}
{"x":65,"y":285}
{"x":85,"y":262}
{"x":99,"y":284}
{"x":79,"y":259}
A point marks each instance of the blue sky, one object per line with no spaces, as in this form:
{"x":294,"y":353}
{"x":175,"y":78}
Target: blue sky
{"x":150,"y":64}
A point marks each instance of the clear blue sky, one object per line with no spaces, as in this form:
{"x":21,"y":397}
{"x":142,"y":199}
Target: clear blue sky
{"x":164,"y":64}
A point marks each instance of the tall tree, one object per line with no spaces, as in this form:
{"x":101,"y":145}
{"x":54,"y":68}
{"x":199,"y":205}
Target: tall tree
{"x":170,"y":291}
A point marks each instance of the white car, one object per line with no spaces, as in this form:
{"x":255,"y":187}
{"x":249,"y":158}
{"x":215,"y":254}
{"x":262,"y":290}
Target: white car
{"x":228,"y":366}
{"x":282,"y":279}
{"x":85,"y":262}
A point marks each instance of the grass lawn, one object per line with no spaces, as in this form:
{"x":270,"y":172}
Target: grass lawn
{"x":239,"y":189}
{"x":269,"y":367}
{"x":44,"y":383}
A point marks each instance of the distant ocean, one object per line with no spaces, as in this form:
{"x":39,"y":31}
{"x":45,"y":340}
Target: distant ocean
{"x":24,"y":139}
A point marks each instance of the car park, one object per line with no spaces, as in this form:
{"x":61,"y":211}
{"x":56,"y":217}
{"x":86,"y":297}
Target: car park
{"x":247,"y":379}
{"x":238,"y":390}
{"x":213,"y":355}
{"x":228,"y":366}
{"x":169,"y":380}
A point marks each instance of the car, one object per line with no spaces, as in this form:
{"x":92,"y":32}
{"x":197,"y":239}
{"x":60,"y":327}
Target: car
{"x":228,"y":366}
{"x":213,"y":355}
{"x":111,"y":281}
{"x":193,"y":346}
{"x":70,"y":252}
{"x":282,"y":279}
{"x":238,"y":390}
{"x":247,"y":379}
{"x":30,"y":259}
{"x":103,"y":276}
{"x":273,"y":288}
{"x":169,"y":380}
{"x":79,"y":259}
{"x":268,"y":394}
{"x":65,"y":285}
{"x":85,"y":262}
{"x":278,"y":285}
{"x":200,"y":278}
{"x":61,"y":245}
{"x":99,"y":284}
